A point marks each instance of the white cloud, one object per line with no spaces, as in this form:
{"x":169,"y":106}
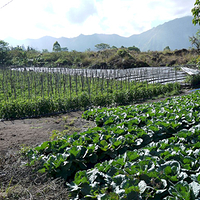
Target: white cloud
{"x":33,"y":19}
{"x":82,"y":11}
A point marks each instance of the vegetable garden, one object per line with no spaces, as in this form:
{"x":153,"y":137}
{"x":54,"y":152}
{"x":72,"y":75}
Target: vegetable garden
{"x":30,"y":93}
{"x":148,"y":151}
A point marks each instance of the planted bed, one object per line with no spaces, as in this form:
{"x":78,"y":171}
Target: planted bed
{"x":148,"y":151}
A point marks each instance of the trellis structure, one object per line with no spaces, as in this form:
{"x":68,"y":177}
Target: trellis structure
{"x":144,"y":74}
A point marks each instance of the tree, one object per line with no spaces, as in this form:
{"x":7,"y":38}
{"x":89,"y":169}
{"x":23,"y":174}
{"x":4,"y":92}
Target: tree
{"x":196,"y":12}
{"x":18,"y":56}
{"x":102,"y":46}
{"x":45,"y":51}
{"x":167,"y":48}
{"x":134,"y":48}
{"x":122,"y":53}
{"x":3,"y":45}
{"x":56,"y":47}
{"x":195,"y":40}
{"x":3,"y":52}
{"x":113,"y":47}
{"x":29,"y":48}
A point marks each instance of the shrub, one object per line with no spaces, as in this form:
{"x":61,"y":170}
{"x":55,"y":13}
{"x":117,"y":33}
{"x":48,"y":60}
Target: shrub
{"x":193,"y":80}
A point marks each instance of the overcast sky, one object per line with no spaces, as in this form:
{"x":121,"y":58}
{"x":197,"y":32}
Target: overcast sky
{"x":22,"y":19}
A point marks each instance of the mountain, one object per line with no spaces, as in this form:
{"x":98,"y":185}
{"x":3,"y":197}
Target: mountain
{"x":174,"y":34}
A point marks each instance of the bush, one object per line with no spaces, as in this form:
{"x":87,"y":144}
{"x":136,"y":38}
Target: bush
{"x":122,"y":53}
{"x":102,"y":100}
{"x":193,"y":80}
{"x":84,"y":100}
{"x":120,"y":98}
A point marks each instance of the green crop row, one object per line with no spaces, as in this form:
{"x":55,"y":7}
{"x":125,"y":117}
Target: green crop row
{"x":147,"y":151}
{"x":26,"y":94}
{"x":168,"y":169}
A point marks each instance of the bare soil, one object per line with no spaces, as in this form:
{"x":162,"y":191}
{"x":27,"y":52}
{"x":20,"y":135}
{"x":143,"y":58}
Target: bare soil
{"x":31,"y":132}
{"x":17,"y":181}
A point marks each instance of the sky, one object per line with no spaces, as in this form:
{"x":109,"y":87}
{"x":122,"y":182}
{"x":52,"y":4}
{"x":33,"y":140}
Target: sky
{"x":22,"y":19}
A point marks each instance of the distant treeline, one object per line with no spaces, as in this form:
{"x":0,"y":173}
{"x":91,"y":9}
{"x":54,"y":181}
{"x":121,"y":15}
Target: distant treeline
{"x":105,"y":57}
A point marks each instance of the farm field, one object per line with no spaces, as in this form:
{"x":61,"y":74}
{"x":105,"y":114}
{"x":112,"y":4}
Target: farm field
{"x":30,"y":94}
{"x":97,"y":162}
{"x":147,"y":151}
{"x":69,"y":133}
{"x":17,"y":180}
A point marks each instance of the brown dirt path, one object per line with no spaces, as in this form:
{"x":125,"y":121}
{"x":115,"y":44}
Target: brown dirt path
{"x":31,"y":132}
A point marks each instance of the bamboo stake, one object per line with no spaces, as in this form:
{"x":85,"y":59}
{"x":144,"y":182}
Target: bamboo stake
{"x":76,"y":83}
{"x":82,"y":81}
{"x":41,"y":93}
{"x":48,"y":86}
{"x":35,"y":81}
{"x":102,"y":81}
{"x":29,"y":96}
{"x":70,"y":86}
{"x":3,"y":79}
{"x":88,"y":83}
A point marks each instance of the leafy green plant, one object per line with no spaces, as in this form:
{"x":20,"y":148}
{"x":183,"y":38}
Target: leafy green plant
{"x":149,"y":151}
{"x":194,"y":80}
{"x":27,"y":94}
